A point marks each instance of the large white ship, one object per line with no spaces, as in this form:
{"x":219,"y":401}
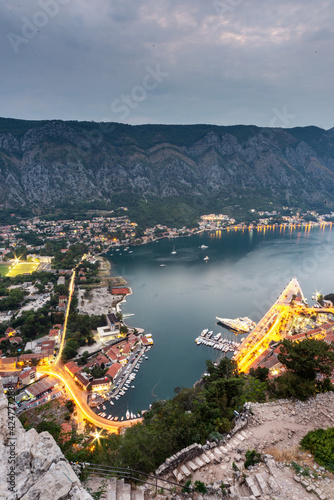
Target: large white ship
{"x":243,"y":325}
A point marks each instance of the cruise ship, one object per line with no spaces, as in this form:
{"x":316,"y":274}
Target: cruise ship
{"x":243,"y":325}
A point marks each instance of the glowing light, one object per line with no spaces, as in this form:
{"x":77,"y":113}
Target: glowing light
{"x":97,"y":435}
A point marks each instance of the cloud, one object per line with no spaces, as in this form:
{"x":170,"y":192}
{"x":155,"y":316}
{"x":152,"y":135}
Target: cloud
{"x":228,"y":61}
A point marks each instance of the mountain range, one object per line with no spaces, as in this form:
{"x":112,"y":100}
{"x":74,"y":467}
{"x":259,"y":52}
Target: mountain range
{"x":47,"y":164}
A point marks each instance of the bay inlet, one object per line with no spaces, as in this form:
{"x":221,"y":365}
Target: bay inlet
{"x":245,"y":273}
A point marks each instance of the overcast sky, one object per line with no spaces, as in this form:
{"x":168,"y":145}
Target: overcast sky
{"x":262,"y":62}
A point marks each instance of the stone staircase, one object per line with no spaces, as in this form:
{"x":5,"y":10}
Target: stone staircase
{"x":213,"y":456}
{"x":114,"y":489}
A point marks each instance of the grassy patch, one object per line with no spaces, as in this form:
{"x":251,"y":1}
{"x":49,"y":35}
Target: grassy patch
{"x":321,"y":444}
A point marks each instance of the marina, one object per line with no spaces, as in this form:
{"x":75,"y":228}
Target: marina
{"x":216,"y":342}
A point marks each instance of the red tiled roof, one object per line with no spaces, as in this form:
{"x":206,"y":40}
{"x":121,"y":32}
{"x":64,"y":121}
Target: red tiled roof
{"x":113,"y":370}
{"x":101,"y":358}
{"x":72,"y":367}
{"x":112,"y":355}
{"x":119,"y":291}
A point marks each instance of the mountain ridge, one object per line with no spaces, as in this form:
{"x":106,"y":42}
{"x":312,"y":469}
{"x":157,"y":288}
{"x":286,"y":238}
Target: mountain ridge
{"x":47,"y":163}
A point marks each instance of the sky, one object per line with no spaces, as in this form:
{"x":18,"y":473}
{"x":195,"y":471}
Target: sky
{"x":225,"y":62}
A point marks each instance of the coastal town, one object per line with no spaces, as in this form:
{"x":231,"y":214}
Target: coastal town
{"x":50,"y":268}
{"x":100,"y":233}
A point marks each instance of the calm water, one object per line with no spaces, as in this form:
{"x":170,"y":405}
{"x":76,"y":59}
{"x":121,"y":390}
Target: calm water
{"x":244,"y":275}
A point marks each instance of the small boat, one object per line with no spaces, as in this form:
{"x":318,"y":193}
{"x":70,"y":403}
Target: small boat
{"x":203,"y":247}
{"x":163,"y":265}
{"x":122,"y":418}
{"x":127,"y":414}
{"x":131,"y":251}
{"x":206,"y":258}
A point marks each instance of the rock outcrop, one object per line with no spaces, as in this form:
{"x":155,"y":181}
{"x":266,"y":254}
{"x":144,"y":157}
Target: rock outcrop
{"x":32,"y":466}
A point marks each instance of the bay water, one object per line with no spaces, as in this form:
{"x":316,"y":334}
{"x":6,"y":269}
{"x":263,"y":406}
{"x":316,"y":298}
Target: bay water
{"x":245,"y":273}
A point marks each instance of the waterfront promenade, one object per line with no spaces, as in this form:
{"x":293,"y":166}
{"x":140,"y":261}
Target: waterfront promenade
{"x":269,"y":328}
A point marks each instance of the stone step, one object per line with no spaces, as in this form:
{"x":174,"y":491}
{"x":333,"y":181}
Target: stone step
{"x":111,"y":489}
{"x":185,"y":470}
{"x":178,"y":475}
{"x":126,"y":492}
{"x":123,"y":490}
{"x":119,"y":488}
{"x":218,"y":453}
{"x":253,"y":488}
{"x":223,"y":449}
{"x":205,"y":458}
{"x":199,"y":462}
{"x":191,"y":465}
{"x":233,"y":444}
{"x":138,"y":493}
{"x":262,"y":483}
{"x":212,"y":457}
{"x":240,"y":437}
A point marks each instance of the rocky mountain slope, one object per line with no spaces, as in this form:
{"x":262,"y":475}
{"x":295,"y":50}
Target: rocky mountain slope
{"x":46,"y":163}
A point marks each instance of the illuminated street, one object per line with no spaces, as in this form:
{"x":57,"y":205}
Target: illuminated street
{"x":79,"y":396}
{"x":274,"y":325}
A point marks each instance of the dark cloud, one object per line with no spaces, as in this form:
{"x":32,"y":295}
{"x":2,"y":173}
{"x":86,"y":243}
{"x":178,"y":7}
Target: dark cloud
{"x":169,"y":61}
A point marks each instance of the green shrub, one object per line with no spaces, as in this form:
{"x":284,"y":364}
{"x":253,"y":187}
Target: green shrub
{"x":186,"y":487}
{"x":252,"y":458}
{"x":321,"y":444}
{"x":297,"y":468}
{"x":200,"y":487}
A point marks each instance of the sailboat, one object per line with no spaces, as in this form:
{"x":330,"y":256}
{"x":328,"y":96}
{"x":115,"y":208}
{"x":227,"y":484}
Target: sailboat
{"x":206,"y":258}
{"x":174,"y":252}
{"x":163,"y":265}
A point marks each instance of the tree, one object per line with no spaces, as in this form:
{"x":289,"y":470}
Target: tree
{"x":307,"y":358}
{"x":261,"y":373}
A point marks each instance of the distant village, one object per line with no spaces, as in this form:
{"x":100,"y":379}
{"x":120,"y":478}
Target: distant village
{"x":102,"y":233}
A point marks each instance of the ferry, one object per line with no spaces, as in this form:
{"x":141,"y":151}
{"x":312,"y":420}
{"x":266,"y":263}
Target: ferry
{"x":243,"y":325}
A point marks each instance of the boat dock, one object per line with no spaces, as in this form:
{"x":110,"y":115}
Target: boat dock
{"x":217,"y":342}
